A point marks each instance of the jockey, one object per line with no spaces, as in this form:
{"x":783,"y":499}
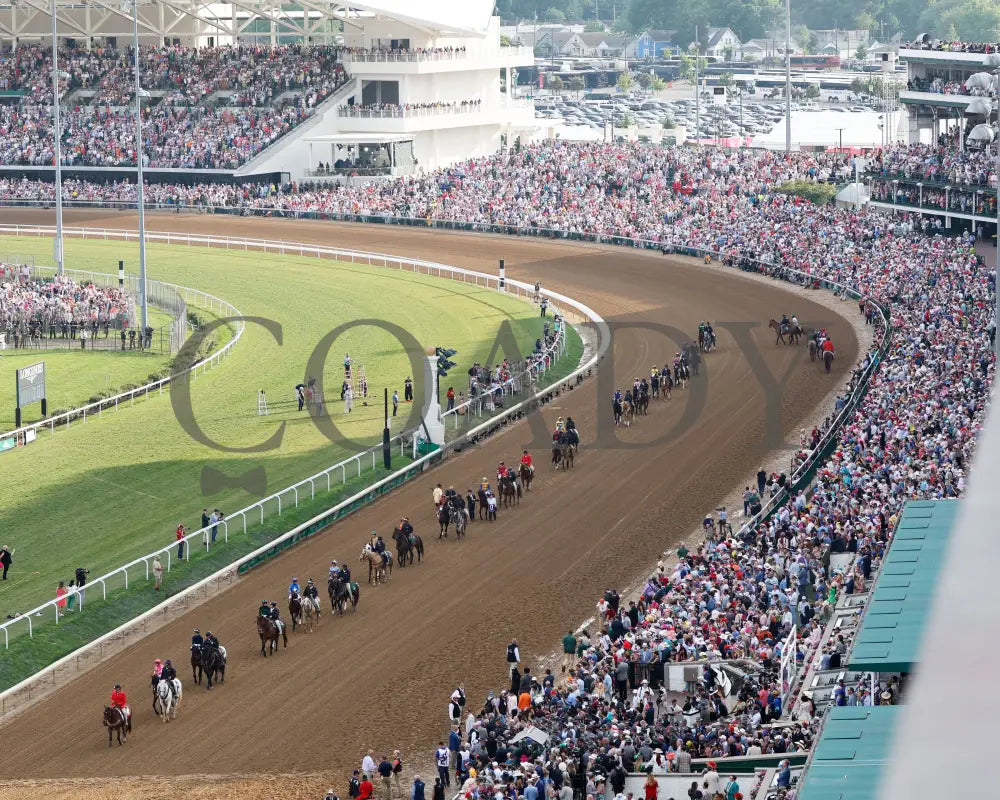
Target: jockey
{"x":653,"y":372}
{"x":795,"y":321}
{"x":560,"y":424}
{"x":405,"y":527}
{"x":526,"y":461}
{"x":157,"y":671}
{"x":196,"y":640}
{"x":169,"y":675}
{"x":822,"y":333}
{"x":828,"y":346}
{"x":628,"y":396}
{"x":502,"y":471}
{"x":265,"y":609}
{"x":570,"y":424}
{"x":311,"y":591}
{"x":334,"y":570}
{"x":618,"y":395}
{"x":294,"y":588}
{"x":677,"y":360}
{"x":784,"y":320}
{"x":119,"y":701}
{"x":212,"y":640}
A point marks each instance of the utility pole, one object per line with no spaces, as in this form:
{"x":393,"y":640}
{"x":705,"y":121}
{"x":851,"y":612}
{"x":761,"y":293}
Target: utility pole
{"x":840,"y":149}
{"x":788,"y":76}
{"x":138,"y":167}
{"x":57,"y":141}
{"x":697,"y":80}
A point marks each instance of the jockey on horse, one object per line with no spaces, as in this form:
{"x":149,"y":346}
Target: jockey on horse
{"x":502,"y":472}
{"x":294,"y":590}
{"x":119,"y":701}
{"x":526,"y":461}
{"x":166,"y":673}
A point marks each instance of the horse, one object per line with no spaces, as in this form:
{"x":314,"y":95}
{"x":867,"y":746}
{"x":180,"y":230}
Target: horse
{"x":779,"y":329}
{"x":295,"y":611}
{"x":617,"y":409}
{"x":379,"y":566}
{"x":407,"y":545}
{"x":116,"y":723}
{"x":169,"y":701}
{"x":628,"y":413}
{"x":509,"y":491}
{"x":444,"y":520}
{"x":461,"y":516}
{"x":196,"y":668}
{"x":568,"y":451}
{"x":828,"y":356}
{"x":526,"y":475}
{"x":310,"y":613}
{"x":269,"y":631}
{"x":694,"y":358}
{"x":642,"y":403}
{"x":340,"y":592}
{"x":213,"y":661}
{"x":813,"y":349}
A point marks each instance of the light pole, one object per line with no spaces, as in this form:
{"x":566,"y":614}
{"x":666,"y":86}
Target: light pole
{"x":57,"y":142}
{"x":840,"y":131}
{"x":138,"y":165}
{"x":697,"y":79}
{"x":788,"y":76}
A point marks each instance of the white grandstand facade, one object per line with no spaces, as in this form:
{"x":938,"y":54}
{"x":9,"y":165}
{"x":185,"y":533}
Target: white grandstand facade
{"x":428,"y":82}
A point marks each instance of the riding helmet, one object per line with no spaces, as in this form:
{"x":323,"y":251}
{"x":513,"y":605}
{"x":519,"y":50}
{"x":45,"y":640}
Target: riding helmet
{"x":118,"y":686}
{"x":197,"y":631}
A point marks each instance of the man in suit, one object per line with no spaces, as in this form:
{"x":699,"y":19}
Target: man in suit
{"x":6,"y":559}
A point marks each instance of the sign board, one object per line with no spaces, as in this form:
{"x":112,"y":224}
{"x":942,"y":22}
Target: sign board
{"x":31,"y":384}
{"x":8,"y":444}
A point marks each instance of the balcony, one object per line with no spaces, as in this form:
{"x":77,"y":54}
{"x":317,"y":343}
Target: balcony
{"x":410,"y":119}
{"x":948,"y":57}
{"x":417,"y":62}
{"x":956,"y":101}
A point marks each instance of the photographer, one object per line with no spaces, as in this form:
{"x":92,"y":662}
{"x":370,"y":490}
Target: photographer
{"x":81,"y":581}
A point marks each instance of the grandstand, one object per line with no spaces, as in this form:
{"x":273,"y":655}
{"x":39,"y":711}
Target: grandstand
{"x":373,"y":89}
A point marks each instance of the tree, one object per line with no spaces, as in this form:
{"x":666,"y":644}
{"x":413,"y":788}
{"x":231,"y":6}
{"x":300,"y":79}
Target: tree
{"x":657,"y":84}
{"x":555,"y":83}
{"x":951,"y":34}
{"x":974,"y":20}
{"x":800,"y":36}
{"x":555,"y":15}
{"x":687,"y":68}
{"x":625,"y":82}
{"x":577,"y":84}
{"x":861,"y":53}
{"x":505,"y":41}
{"x":595,"y":26}
{"x":727,"y":53}
{"x":818,"y":193}
{"x":727,"y":79}
{"x":668,"y":122}
{"x":644,"y":80}
{"x":812,"y":91}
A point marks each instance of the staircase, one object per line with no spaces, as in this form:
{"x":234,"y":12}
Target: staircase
{"x":291,"y":148}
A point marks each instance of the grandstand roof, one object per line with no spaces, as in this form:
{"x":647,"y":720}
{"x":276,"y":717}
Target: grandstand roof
{"x":851,"y":754}
{"x":441,"y":16}
{"x":893,"y":626}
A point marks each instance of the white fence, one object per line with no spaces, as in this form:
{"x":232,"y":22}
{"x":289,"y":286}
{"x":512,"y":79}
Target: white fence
{"x":195,"y":296}
{"x":582,"y":311}
{"x":346,"y":468}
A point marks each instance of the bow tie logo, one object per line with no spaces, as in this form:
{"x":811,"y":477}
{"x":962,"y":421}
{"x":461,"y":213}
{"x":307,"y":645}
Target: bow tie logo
{"x":253,"y":482}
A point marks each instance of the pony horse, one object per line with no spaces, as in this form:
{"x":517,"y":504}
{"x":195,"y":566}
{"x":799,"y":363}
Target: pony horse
{"x":169,"y":701}
{"x":116,"y":723}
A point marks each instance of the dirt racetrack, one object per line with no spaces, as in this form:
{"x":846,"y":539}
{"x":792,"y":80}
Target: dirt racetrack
{"x":381,"y":677}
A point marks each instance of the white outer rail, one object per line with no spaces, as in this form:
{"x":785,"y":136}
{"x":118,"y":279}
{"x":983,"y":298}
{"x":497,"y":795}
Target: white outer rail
{"x":519,"y":288}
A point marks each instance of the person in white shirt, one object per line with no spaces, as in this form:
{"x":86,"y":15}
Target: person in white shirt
{"x":368,"y":764}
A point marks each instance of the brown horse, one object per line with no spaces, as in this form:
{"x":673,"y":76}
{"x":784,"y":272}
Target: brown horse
{"x":406,"y":546}
{"x":295,"y":612}
{"x":509,"y":491}
{"x":813,"y":349}
{"x":828,"y":357}
{"x":568,"y":454}
{"x":116,"y":723}
{"x":269,"y":632}
{"x":527,"y":476}
{"x":628,"y":413}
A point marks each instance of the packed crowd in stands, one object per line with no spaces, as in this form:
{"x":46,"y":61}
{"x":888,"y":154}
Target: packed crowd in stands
{"x":942,"y":86}
{"x":56,"y":306}
{"x":936,"y":163}
{"x":417,"y":54}
{"x":965,"y":201}
{"x":742,"y":593}
{"x":264,"y":92}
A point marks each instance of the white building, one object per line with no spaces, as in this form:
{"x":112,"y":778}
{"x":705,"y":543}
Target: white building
{"x":429,"y":82}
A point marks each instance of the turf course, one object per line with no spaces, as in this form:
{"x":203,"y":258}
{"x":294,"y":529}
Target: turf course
{"x":100,"y":494}
{"x":74,"y":377}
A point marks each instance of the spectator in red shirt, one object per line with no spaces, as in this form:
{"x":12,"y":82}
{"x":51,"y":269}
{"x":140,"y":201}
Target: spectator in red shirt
{"x":181,"y":533}
{"x":365,"y":789}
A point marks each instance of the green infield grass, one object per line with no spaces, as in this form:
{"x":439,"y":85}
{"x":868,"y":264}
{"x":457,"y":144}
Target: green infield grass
{"x":99,"y":494}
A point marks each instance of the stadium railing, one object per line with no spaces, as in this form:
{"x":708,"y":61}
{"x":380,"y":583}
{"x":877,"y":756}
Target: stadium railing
{"x":569,"y":308}
{"x":196,"y":296}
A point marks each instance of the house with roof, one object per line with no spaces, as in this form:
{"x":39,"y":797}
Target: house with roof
{"x":603,"y":45}
{"x":722,"y":43}
{"x":652,"y":44}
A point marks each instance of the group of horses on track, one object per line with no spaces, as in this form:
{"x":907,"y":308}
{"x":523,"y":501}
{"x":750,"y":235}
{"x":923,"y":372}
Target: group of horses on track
{"x":815,"y":340}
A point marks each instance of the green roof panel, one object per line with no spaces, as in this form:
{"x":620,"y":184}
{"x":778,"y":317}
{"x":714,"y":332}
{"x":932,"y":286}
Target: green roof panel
{"x":893,"y":624}
{"x":851,"y":753}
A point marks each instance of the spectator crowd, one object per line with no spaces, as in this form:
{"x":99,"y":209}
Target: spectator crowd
{"x":937,"y":164}
{"x":213,"y":108}
{"x":57,"y":306}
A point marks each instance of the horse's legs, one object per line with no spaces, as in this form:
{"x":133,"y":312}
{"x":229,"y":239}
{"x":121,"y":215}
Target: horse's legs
{"x":263,"y":652}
